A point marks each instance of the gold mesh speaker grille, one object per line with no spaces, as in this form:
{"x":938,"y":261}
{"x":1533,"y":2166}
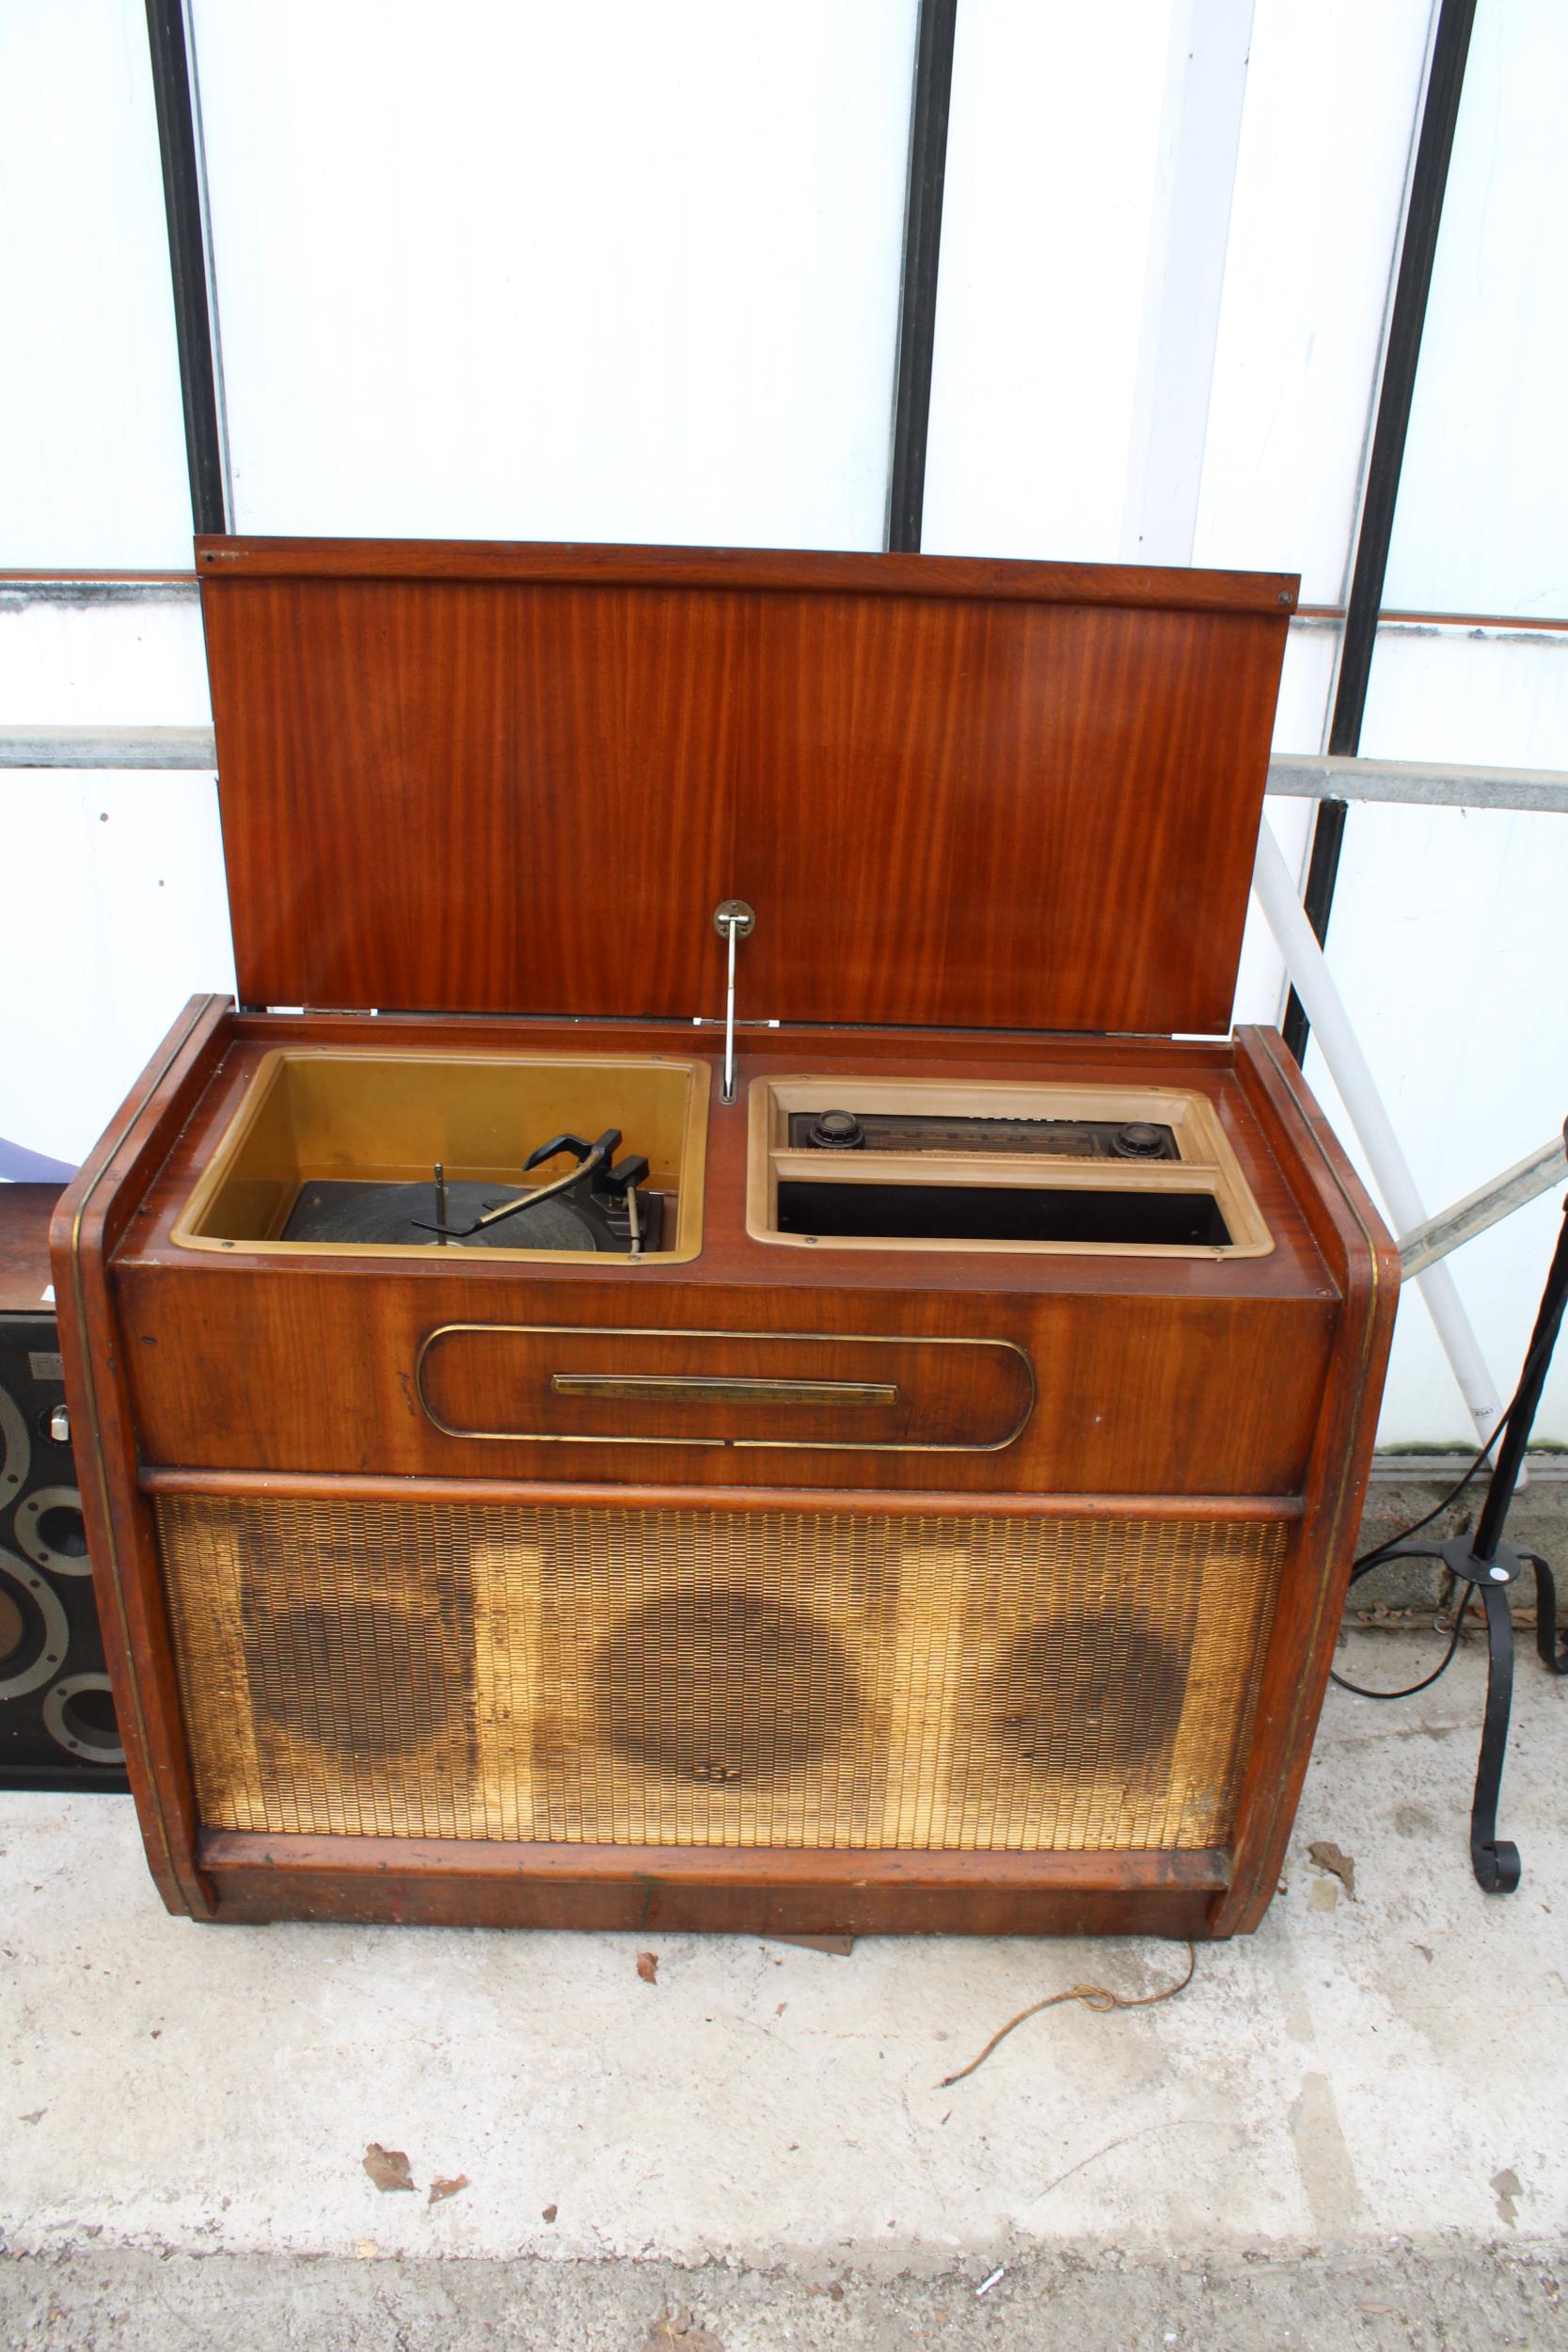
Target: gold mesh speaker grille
{"x":809,"y":1679}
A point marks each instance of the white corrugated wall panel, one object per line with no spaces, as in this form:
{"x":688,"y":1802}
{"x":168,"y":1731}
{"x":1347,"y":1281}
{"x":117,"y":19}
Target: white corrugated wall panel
{"x":89,"y":394}
{"x":616,"y":272}
{"x":1482,"y":518}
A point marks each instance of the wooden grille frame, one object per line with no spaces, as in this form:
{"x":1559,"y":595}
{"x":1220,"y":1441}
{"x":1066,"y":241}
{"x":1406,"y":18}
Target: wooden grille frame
{"x":804,"y":1680}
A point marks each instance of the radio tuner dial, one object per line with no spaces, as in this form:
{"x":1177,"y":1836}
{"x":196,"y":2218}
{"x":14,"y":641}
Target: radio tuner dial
{"x":1139,"y":1140}
{"x":837,"y":1130}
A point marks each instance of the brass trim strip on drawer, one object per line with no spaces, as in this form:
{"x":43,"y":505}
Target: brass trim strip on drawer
{"x":619,"y":1437}
{"x":653,"y":1388}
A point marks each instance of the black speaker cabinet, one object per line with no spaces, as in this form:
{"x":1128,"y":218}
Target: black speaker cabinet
{"x":56,"y":1717}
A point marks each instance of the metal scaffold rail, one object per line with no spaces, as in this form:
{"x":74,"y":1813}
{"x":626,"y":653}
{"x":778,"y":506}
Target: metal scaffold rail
{"x":1342,"y":1050}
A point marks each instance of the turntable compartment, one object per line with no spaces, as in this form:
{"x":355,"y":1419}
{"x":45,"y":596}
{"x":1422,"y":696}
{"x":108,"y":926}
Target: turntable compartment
{"x":318,"y":1120}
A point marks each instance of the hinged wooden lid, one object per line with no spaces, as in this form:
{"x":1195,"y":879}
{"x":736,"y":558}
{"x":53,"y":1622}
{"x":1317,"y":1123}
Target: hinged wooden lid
{"x":520,"y":779}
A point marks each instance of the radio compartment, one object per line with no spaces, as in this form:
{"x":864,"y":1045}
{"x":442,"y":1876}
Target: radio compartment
{"x":1135,"y":1171}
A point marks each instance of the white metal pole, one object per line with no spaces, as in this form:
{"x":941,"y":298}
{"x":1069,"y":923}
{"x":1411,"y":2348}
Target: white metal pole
{"x":1311,"y":978}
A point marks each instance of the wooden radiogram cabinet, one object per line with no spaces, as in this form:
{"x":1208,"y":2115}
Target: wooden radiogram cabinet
{"x":900,"y":1474}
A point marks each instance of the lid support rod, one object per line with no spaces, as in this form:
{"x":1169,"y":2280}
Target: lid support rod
{"x":726,"y":1093}
{"x":732,"y":920}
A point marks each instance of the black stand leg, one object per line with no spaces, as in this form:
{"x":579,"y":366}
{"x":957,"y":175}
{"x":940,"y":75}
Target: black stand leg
{"x":1496,"y":1862}
{"x":1489,"y":1567}
{"x":1554,"y":1651}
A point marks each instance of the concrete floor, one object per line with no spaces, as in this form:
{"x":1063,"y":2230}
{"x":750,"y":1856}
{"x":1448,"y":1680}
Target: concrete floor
{"x":1366,"y":2088}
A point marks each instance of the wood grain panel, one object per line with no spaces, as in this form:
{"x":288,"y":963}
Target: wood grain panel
{"x":24,"y":1214}
{"x":448,"y":1882}
{"x":1179,"y":1377}
{"x":89,"y":1217}
{"x":571,"y":1493}
{"x":262,"y":1369}
{"x":1007,"y":796}
{"x":1364,"y":1259}
{"x":1165,"y":588}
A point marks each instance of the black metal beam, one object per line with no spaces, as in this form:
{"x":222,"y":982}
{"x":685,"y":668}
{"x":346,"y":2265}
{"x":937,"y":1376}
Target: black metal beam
{"x":1429,"y":182}
{"x":917,"y":318}
{"x":188,"y":258}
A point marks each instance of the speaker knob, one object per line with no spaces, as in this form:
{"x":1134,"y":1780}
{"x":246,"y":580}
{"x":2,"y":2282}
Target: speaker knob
{"x":60,"y":1426}
{"x":837,"y":1130}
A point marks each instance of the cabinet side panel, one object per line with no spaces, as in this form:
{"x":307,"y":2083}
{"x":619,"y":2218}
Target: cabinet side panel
{"x":121,"y":1538}
{"x":1365,"y":1261}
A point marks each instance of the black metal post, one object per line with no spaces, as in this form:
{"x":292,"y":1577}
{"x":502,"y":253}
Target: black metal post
{"x":1484,"y":1566}
{"x":188,"y":258}
{"x":1526,"y":1402}
{"x":1429,"y":182}
{"x":917,"y":318}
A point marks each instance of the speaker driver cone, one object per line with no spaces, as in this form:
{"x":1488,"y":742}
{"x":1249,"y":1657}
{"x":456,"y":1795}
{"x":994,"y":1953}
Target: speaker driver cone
{"x":45,"y":1627}
{"x":79,"y":1713}
{"x":16,"y":1450}
{"x":51,"y":1530}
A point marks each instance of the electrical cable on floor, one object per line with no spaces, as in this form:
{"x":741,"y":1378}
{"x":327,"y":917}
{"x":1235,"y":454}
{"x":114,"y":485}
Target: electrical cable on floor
{"x":1410,"y":1687}
{"x":1096,"y":1996}
{"x":1391,"y":1550}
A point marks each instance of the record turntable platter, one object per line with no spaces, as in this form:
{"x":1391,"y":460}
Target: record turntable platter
{"x":404,"y":1215}
{"x":595,"y":1205}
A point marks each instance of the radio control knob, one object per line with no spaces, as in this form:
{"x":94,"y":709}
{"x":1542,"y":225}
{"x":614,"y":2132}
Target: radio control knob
{"x":837,"y":1130}
{"x":1139,"y":1140}
{"x":60,"y":1426}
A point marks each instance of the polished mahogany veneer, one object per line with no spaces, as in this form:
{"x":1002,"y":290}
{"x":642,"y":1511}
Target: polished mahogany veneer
{"x":957,"y":793}
{"x":977,"y":807}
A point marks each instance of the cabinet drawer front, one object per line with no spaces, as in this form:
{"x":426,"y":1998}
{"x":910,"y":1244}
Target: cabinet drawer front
{"x":569,"y":1385}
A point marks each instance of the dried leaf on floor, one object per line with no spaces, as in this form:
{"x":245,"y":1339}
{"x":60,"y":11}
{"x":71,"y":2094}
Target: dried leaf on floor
{"x":550,"y":2212}
{"x":679,"y":2328}
{"x":1328,"y":1858}
{"x":647,"y":1967}
{"x":446,"y":2188}
{"x":387,"y":2167}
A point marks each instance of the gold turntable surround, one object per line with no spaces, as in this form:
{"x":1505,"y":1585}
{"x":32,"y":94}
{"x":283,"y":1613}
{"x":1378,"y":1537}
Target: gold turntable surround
{"x":336,"y":1115}
{"x":889,"y":1462}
